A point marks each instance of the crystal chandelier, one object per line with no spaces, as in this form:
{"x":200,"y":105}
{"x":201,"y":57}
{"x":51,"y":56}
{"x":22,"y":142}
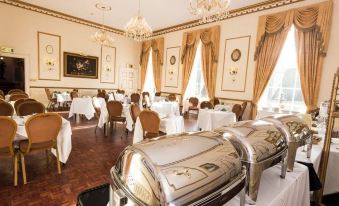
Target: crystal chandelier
{"x":137,"y":28}
{"x":210,"y":10}
{"x":101,"y":36}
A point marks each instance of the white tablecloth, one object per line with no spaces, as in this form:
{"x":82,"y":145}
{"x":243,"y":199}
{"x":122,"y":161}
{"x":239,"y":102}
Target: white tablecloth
{"x":209,"y":119}
{"x":166,"y":108}
{"x":226,"y":107}
{"x":64,"y":139}
{"x":159,"y":99}
{"x":82,"y":106}
{"x":169,"y":126}
{"x":62,"y":97}
{"x":274,"y":191}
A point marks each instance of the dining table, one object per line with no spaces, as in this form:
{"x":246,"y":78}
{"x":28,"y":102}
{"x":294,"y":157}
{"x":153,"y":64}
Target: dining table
{"x":166,"y":108}
{"x":209,"y":119}
{"x":83,"y":106}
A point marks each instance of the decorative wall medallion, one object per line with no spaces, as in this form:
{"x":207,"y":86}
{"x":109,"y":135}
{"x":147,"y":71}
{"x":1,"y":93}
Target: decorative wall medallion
{"x":108,"y":58}
{"x":173,"y":60}
{"x":236,"y":54}
{"x":49,"y":49}
{"x":172,"y":67}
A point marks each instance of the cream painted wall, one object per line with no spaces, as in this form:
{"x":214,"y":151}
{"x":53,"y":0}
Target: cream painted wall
{"x":19,"y":29}
{"x":247,"y":25}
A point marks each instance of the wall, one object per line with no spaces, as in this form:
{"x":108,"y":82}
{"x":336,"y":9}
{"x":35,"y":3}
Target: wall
{"x":19,"y":29}
{"x":247,"y":25}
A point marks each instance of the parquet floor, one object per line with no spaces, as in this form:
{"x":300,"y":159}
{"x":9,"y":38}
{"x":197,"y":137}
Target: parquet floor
{"x":88,"y":166}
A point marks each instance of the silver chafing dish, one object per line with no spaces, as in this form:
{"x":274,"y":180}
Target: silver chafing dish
{"x":260,"y":145}
{"x":297,"y":133}
{"x":187,"y":169}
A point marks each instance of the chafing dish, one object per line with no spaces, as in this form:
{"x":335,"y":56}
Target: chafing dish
{"x":297,"y":133}
{"x":187,"y":169}
{"x":260,"y":145}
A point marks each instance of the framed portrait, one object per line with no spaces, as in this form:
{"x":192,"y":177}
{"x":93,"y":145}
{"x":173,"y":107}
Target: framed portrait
{"x":108,"y":57}
{"x":235,"y":64}
{"x":49,"y":52}
{"x":172,"y":67}
{"x":81,"y":66}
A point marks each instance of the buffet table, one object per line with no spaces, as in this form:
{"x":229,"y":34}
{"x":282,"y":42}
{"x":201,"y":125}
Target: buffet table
{"x":209,"y":119}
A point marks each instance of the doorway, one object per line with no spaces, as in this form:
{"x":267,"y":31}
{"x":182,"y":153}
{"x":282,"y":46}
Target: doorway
{"x":12,"y":73}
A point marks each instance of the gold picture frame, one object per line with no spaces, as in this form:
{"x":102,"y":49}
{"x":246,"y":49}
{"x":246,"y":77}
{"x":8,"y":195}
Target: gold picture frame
{"x":80,"y":66}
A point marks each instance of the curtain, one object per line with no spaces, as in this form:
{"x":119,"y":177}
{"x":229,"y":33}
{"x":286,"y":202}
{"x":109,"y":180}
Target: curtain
{"x":312,"y":32}
{"x":210,"y":39}
{"x":272,"y":33}
{"x":144,"y":56}
{"x":157,"y":60}
{"x":189,"y":48}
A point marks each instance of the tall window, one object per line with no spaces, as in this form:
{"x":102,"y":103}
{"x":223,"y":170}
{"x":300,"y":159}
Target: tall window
{"x":149,"y":85}
{"x":196,"y":84}
{"x":284,"y":89}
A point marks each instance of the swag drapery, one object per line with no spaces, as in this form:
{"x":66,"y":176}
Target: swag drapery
{"x":210,"y":39}
{"x":157,"y":46}
{"x":312,"y":33}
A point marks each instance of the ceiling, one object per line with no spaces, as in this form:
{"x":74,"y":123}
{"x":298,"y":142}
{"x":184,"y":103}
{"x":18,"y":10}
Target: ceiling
{"x":158,"y":13}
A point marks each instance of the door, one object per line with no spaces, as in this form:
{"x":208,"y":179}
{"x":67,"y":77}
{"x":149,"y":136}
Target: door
{"x":129,"y":80}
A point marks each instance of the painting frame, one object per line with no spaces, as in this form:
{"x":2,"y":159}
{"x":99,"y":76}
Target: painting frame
{"x":110,"y":62}
{"x":67,"y":72}
{"x":49,"y":61}
{"x":175,"y":65}
{"x":242,"y":53}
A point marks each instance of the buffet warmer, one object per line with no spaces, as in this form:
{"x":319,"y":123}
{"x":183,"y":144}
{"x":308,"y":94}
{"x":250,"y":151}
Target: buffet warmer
{"x":260,"y":145}
{"x":297,"y":133}
{"x":187,"y":169}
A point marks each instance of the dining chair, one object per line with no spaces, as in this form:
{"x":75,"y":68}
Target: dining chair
{"x":135,"y":112}
{"x":145,"y":94}
{"x":16,"y":96}
{"x":6,"y":109}
{"x":194,"y":102}
{"x":15,"y":91}
{"x":19,"y":101}
{"x":74,"y":94}
{"x":114,"y":109}
{"x":135,"y":98}
{"x":157,"y":94}
{"x":29,"y":108}
{"x":215,"y":101}
{"x":243,"y":107}
{"x":150,"y":123}
{"x":120,"y":91}
{"x":8,"y":128}
{"x":172,"y":98}
{"x":206,"y":104}
{"x":237,"y":110}
{"x":42,"y":132}
{"x":51,"y":101}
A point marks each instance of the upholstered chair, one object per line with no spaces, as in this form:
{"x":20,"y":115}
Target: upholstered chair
{"x":19,"y":101}
{"x":194,"y":102}
{"x":51,"y":101}
{"x":243,"y":107}
{"x":135,"y":98}
{"x":206,"y":104}
{"x":15,"y":91}
{"x":6,"y":109}
{"x":29,"y":108}
{"x":237,"y":110}
{"x":135,"y":112}
{"x":150,"y":123}
{"x":16,"y":96}
{"x":114,"y":109}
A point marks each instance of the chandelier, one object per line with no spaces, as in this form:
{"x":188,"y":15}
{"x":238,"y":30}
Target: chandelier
{"x":209,"y":10}
{"x":137,"y":28}
{"x":101,"y":36}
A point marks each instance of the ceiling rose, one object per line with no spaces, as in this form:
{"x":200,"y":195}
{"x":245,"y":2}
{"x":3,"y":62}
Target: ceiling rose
{"x":209,"y":10}
{"x":101,"y":36}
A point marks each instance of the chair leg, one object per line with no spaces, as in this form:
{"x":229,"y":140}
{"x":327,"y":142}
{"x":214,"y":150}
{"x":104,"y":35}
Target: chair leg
{"x":48,"y":157}
{"x":15,"y":164}
{"x":58,"y":161}
{"x":23,"y":168}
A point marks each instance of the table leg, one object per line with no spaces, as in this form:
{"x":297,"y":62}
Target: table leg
{"x":77,"y":118}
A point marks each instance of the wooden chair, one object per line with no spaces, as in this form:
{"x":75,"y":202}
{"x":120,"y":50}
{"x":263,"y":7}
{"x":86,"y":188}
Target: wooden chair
{"x":29,"y":108}
{"x":135,"y":98}
{"x":172,"y":98}
{"x":158,"y":94}
{"x":15,"y":91}
{"x":101,"y":94}
{"x":243,"y":107}
{"x":150,"y":123}
{"x":51,"y":101}
{"x":114,"y":109}
{"x":135,"y":112}
{"x":42,"y":132}
{"x":74,"y":94}
{"x":8,"y":129}
{"x":145,"y":94}
{"x":6,"y":109}
{"x":194,"y":102}
{"x":19,"y":101}
{"x":16,"y":96}
{"x":206,"y":104}
{"x":215,"y":101}
{"x":120,"y":91}
{"x":237,"y":110}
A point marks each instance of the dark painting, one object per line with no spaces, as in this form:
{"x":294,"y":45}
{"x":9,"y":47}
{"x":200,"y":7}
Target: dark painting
{"x":76,"y":65}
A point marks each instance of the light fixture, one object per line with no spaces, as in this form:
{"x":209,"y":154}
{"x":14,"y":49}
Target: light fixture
{"x":101,"y":36}
{"x":209,"y":10}
{"x":137,"y":28}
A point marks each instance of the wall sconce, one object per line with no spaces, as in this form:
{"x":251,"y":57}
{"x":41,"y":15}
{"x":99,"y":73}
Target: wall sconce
{"x":233,"y":72}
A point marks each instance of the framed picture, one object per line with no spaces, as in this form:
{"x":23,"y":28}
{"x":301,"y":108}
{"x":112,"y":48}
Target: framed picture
{"x":172,"y":66}
{"x":76,"y":65}
{"x":235,"y":64}
{"x":49,"y":52}
{"x":108,"y":56}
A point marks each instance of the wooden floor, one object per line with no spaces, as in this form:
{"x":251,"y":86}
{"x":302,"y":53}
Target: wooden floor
{"x":88,"y":166}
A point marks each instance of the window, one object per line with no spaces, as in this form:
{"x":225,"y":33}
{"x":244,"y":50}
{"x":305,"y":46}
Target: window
{"x":284,"y":89}
{"x":196,"y":85}
{"x":149,"y":85}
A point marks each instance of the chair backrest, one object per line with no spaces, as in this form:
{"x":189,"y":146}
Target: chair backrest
{"x":150,"y":121}
{"x":6,"y":109}
{"x":172,"y":98}
{"x":206,"y":104}
{"x":101,"y":94}
{"x":30,"y":107}
{"x":215,"y":101}
{"x":194,"y":101}
{"x":145,"y":94}
{"x":243,"y":107}
{"x":135,"y":112}
{"x":19,"y":101}
{"x":48,"y":93}
{"x":15,"y":91}
{"x":2,"y":93}
{"x":135,"y":98}
{"x":8,"y":129}
{"x":120,"y":91}
{"x":236,"y":110}
{"x":74,"y":94}
{"x":16,"y":96}
{"x":43,"y":128}
{"x":158,"y":94}
{"x":114,"y":108}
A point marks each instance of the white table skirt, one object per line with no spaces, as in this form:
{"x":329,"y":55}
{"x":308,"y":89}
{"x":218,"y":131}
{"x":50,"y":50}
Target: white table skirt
{"x":172,"y":125}
{"x":166,"y":108}
{"x":210,"y":119}
{"x":274,"y":191}
{"x":82,"y":106}
{"x":159,"y":99}
{"x":64,"y":139}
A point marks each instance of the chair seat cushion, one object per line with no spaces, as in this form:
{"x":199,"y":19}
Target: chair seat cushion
{"x":35,"y":146}
{"x":118,"y":119}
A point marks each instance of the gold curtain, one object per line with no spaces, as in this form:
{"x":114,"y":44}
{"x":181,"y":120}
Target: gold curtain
{"x":144,"y":56}
{"x":272,"y":32}
{"x":210,"y":39}
{"x":189,"y":48}
{"x":312,"y":31}
{"x":157,"y":60}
